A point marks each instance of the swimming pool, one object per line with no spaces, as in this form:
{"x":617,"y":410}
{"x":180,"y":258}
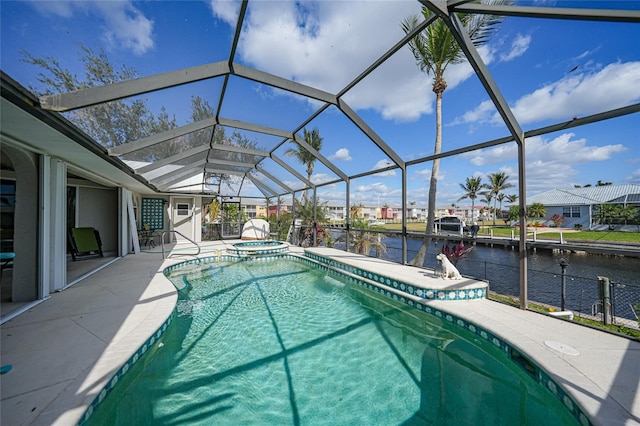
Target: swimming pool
{"x":280,"y":342}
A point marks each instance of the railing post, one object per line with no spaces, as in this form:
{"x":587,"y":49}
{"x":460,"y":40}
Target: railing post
{"x":563,"y":291}
{"x":604,"y":290}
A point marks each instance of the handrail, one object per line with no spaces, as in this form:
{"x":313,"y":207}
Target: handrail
{"x":183,"y":236}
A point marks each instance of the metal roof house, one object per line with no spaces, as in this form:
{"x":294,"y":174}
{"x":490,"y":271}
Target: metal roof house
{"x":582,"y":207}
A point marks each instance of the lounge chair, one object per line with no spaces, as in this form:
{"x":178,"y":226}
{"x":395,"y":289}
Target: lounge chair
{"x":85,"y":243}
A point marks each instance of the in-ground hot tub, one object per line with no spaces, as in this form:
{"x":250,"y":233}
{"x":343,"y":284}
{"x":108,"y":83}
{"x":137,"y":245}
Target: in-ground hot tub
{"x":258,"y":248}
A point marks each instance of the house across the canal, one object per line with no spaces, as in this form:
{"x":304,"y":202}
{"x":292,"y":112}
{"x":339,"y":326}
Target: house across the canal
{"x":590,"y":207}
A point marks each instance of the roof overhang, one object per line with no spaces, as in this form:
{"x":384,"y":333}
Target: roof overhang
{"x":27,"y":126}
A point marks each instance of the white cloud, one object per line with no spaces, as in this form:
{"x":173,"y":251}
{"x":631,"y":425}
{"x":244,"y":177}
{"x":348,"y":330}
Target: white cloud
{"x":124,"y":25}
{"x":425,"y":175}
{"x":635,"y":177}
{"x":225,"y":10}
{"x":308,"y":43}
{"x":294,"y":184}
{"x":341,"y":154}
{"x":481,"y":114}
{"x":319,"y":178}
{"x":550,"y":163}
{"x":614,"y":86}
{"x":518,"y":46}
{"x":377,"y":187}
{"x":60,"y":8}
{"x":375,"y":194}
{"x":562,"y":149}
{"x":127,"y":25}
{"x":381,"y":165}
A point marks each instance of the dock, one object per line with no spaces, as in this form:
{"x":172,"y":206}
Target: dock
{"x":602,"y":248}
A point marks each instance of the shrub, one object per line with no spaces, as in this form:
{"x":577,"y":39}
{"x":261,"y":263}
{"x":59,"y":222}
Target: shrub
{"x":557,"y":220}
{"x":456,"y":253}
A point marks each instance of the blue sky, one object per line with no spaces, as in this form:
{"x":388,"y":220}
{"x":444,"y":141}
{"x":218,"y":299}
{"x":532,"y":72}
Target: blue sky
{"x":549,"y":71}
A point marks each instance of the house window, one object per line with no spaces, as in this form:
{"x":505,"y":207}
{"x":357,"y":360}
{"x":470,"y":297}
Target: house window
{"x":183,"y":209}
{"x":573,"y":211}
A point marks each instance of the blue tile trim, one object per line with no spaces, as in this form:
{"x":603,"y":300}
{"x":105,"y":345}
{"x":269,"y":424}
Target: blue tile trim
{"x":429,"y":294}
{"x":258,"y":248}
{"x":372,"y":282}
{"x":137,"y":356}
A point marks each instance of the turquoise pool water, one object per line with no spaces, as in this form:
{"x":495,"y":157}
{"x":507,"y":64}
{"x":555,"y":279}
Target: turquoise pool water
{"x":278,"y":342}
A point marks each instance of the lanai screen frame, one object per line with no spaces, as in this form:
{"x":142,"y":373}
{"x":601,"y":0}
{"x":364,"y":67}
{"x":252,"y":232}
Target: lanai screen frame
{"x":442,"y":9}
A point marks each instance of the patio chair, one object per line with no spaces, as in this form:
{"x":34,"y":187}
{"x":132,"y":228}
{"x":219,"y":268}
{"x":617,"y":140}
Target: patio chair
{"x":85,"y":243}
{"x":147,"y":236}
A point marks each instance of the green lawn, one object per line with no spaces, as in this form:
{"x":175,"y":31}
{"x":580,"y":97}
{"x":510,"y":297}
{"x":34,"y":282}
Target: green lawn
{"x":569,"y":235}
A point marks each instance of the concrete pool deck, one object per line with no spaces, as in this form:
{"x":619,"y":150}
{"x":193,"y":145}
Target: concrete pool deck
{"x":64,"y":350}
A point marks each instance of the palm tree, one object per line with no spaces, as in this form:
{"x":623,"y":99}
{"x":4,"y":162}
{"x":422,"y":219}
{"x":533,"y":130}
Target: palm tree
{"x":536,"y":210}
{"x":608,"y":212}
{"x":305,"y":157}
{"x":354,"y":211}
{"x":512,"y":198}
{"x":498,"y":183}
{"x":363,"y":240}
{"x":472,"y":187}
{"x":488,"y":196}
{"x":627,"y":213}
{"x":312,"y":214}
{"x":501,"y":197}
{"x":435,"y":49}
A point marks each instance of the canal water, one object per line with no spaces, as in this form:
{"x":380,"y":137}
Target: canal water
{"x":500,"y":267}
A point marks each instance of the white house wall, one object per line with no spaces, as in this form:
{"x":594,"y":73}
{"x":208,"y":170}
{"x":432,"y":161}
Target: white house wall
{"x":25,"y":245}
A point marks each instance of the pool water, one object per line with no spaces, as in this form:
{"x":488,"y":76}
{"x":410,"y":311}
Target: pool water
{"x":278,"y":342}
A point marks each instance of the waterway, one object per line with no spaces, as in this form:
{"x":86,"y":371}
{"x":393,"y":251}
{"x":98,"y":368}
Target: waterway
{"x":500,"y":267}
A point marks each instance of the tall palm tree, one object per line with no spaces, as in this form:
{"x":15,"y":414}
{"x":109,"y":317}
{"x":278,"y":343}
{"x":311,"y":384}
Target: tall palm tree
{"x":435,"y":49}
{"x":471,"y":188}
{"x":497,"y":184}
{"x":305,"y":157}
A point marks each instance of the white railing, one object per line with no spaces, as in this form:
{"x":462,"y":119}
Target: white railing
{"x":179,"y":254}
